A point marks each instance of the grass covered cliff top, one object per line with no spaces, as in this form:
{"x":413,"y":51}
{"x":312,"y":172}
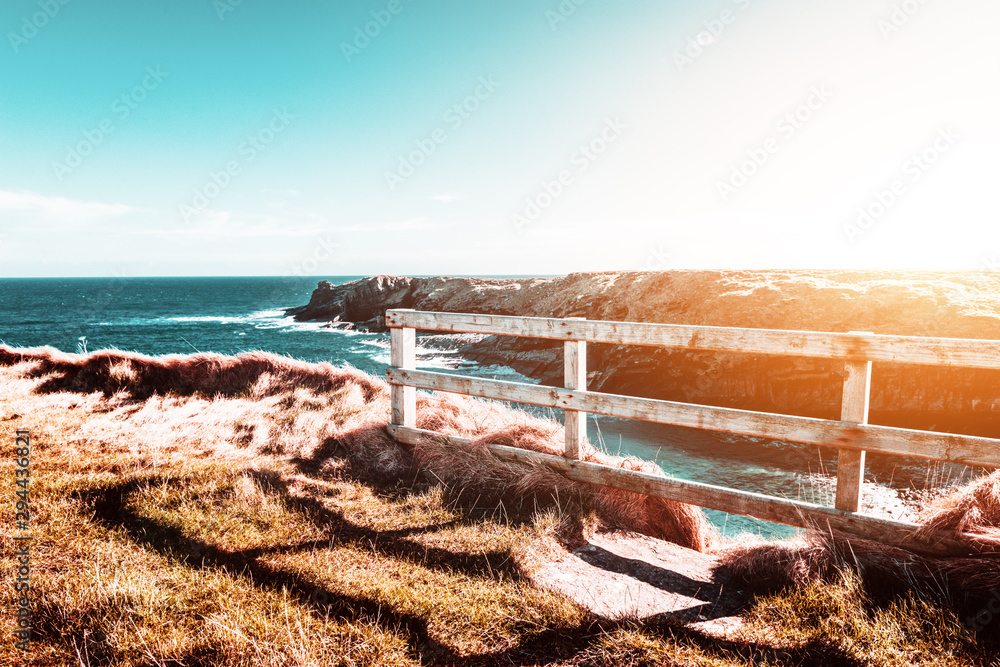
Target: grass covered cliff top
{"x":210,"y":510}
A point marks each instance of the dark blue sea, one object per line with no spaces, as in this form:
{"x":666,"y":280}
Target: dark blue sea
{"x":230,"y":315}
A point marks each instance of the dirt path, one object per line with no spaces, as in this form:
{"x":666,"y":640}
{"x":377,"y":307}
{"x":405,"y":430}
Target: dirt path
{"x":620,"y":575}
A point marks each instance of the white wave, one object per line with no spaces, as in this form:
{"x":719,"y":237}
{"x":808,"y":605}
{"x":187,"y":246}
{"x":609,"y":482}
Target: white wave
{"x":270,"y":314}
{"x":207,"y":318}
{"x":289,"y":323}
{"x":262,"y":319}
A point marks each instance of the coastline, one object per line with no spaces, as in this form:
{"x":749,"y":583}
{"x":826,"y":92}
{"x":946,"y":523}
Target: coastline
{"x":931,"y":304}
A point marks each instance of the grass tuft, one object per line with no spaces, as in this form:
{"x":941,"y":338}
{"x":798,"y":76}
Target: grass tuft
{"x":251,"y":510}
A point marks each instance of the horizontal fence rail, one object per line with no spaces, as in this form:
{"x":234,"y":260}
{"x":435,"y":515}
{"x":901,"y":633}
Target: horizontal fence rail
{"x":969,"y":450}
{"x":851,"y":434}
{"x":902,"y":534}
{"x":963,"y":352}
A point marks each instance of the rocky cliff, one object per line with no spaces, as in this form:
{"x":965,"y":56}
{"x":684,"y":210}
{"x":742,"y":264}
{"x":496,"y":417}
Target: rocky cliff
{"x":961,"y":305}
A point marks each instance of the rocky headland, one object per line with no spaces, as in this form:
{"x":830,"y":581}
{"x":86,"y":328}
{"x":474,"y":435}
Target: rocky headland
{"x":959,"y":305}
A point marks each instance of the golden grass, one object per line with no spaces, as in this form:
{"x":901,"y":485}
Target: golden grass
{"x":840,"y":617}
{"x":211,"y":510}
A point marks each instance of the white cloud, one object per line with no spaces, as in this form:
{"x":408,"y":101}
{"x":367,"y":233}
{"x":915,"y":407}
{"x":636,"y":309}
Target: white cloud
{"x":408,"y":225}
{"x":448,"y":197}
{"x":223,"y":224}
{"x":58,"y":209}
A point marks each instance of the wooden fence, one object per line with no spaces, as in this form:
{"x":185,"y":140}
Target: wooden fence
{"x":852,"y":435}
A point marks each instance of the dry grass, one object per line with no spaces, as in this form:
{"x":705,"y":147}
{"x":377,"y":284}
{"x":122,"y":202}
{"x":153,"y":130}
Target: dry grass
{"x":210,"y":510}
{"x":967,"y":585}
{"x":265,"y":404}
{"x":973,"y":508}
{"x":839,"y":616}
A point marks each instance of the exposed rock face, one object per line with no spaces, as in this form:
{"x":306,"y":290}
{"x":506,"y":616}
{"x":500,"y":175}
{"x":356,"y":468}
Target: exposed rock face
{"x":365,"y":301}
{"x":960,"y":305}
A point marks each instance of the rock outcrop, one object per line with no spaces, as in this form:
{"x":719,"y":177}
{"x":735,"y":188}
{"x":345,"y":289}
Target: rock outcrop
{"x":960,"y":305}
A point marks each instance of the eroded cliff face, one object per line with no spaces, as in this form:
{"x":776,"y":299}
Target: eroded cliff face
{"x":959,"y":305}
{"x":365,"y":301}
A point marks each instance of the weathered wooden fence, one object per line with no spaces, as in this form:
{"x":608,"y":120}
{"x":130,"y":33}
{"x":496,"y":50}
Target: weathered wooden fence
{"x":852,"y":435}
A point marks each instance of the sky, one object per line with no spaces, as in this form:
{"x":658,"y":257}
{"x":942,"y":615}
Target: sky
{"x":505,"y":137}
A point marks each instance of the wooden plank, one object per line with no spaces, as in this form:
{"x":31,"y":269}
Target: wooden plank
{"x":969,"y":450}
{"x":854,"y":409}
{"x":403,"y":354}
{"x":780,"y":510}
{"x":411,"y":435}
{"x":575,"y":377}
{"x":969,"y":353}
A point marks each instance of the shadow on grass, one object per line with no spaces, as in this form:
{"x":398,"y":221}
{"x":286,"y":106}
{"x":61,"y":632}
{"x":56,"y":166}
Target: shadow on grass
{"x":392,"y":542}
{"x":111,"y":509}
{"x":354,"y":449}
{"x":813,"y":653}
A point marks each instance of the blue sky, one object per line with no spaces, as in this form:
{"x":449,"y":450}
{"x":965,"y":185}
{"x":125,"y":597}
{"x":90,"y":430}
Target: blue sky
{"x":443,"y":137}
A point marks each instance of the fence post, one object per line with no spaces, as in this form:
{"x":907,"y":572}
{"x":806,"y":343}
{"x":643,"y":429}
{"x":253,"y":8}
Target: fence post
{"x":402,"y":354}
{"x":853,"y":408}
{"x":575,"y":377}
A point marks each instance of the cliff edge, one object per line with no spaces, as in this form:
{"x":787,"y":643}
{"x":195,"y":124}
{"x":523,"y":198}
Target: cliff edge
{"x":959,"y":305}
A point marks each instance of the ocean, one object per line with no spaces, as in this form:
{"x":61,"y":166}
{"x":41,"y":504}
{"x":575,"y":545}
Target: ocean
{"x":158,"y":316}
